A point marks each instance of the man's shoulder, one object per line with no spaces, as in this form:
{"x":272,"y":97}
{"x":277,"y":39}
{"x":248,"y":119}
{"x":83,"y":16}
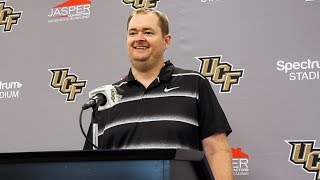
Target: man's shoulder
{"x":180,"y":72}
{"x":122,"y":81}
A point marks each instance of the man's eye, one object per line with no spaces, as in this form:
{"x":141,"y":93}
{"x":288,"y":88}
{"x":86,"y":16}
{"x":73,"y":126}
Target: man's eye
{"x":132,"y":33}
{"x":148,"y":32}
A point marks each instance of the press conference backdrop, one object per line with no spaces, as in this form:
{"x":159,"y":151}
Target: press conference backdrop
{"x":261,"y":57}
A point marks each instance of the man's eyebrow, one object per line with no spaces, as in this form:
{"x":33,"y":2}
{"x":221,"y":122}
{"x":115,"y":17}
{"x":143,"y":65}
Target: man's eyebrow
{"x":132,"y":29}
{"x":144,"y":29}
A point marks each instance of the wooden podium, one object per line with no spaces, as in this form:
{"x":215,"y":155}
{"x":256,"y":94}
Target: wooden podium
{"x":155,"y":164}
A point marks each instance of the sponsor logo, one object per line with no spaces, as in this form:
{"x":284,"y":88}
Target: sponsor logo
{"x":9,"y":90}
{"x":8,"y":17}
{"x":67,"y":84}
{"x":70,"y":10}
{"x":114,"y":95}
{"x":304,"y":153}
{"x":240,"y":162}
{"x":304,"y":70}
{"x":220,"y":73}
{"x":137,"y":4}
{"x":170,"y":89}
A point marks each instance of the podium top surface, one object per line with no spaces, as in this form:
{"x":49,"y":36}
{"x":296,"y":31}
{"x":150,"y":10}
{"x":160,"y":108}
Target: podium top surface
{"x":101,"y":155}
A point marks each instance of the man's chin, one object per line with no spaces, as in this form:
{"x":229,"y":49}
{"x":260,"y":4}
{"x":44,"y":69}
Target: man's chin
{"x":140,"y":59}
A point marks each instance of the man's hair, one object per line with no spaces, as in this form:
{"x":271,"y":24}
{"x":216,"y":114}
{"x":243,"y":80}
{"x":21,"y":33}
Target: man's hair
{"x":163,"y":19}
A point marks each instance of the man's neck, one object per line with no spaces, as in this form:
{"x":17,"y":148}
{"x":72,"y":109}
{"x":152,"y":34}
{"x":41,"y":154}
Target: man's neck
{"x":147,"y":74}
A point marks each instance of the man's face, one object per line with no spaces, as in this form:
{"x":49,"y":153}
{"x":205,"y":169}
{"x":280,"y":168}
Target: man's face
{"x":145,"y":41}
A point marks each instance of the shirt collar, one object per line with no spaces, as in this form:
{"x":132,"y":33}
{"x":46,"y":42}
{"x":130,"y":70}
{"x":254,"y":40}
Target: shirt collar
{"x":164,"y":75}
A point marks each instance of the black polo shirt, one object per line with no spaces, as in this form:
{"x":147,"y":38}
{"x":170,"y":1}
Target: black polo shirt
{"x":177,"y":110}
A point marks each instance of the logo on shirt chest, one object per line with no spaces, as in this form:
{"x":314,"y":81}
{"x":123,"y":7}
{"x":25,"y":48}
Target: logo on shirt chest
{"x":170,"y":89}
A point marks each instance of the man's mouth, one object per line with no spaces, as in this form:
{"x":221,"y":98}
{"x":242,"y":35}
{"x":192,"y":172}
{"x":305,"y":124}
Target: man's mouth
{"x":140,"y":47}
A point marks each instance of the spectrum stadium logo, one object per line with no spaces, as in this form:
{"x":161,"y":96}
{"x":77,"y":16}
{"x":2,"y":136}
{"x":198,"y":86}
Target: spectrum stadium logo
{"x":304,"y":153}
{"x":137,"y":4}
{"x":220,"y":73}
{"x":9,"y":90}
{"x":240,"y":162}
{"x":308,"y":69}
{"x":67,"y":83}
{"x":70,"y":10}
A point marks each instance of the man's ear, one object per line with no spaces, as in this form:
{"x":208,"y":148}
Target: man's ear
{"x":167,"y":40}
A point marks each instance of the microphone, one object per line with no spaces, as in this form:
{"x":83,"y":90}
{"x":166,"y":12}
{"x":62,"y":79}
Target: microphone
{"x":103,"y":97}
{"x":96,"y":101}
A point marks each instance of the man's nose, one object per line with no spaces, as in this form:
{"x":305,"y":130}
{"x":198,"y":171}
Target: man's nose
{"x":140,"y":37}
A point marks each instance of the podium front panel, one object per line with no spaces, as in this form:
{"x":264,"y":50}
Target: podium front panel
{"x":97,"y":170}
{"x":150,"y":164}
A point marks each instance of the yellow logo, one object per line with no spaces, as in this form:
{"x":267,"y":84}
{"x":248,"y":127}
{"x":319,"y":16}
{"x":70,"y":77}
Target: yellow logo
{"x":67,"y":84}
{"x":303,"y":153}
{"x":137,"y":4}
{"x":220,"y":72}
{"x":8,"y":17}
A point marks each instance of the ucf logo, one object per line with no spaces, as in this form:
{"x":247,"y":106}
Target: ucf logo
{"x":137,"y":4}
{"x":220,"y":73}
{"x":8,"y":17}
{"x":303,"y":153}
{"x":66,"y":83}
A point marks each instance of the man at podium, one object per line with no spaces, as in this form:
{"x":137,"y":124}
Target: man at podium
{"x":162,"y":106}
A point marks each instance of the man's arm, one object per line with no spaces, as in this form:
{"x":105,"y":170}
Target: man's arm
{"x":219,"y":156}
